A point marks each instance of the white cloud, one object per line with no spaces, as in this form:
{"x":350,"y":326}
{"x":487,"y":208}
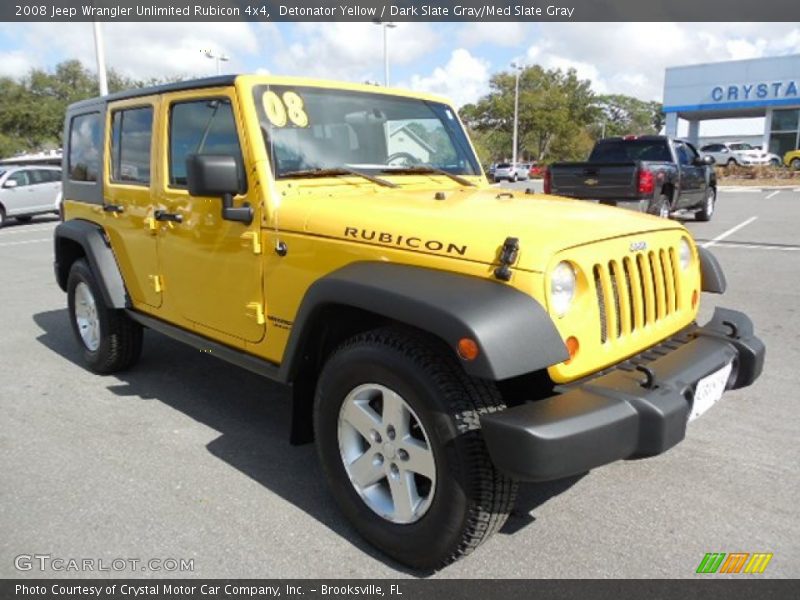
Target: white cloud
{"x":14,"y":64}
{"x":139,"y":50}
{"x":352,"y":51}
{"x":630,"y":58}
{"x":506,"y":33}
{"x":463,"y":79}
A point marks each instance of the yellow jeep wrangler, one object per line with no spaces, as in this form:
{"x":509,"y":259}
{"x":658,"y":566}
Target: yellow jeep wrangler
{"x":444,"y":339}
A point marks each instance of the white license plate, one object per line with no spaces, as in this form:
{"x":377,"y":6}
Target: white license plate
{"x":709,"y":391}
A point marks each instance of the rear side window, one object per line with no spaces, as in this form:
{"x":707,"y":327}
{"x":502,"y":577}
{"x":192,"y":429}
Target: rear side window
{"x":131,"y":133}
{"x":84,"y":147}
{"x":200,"y":127}
{"x":627,"y":150}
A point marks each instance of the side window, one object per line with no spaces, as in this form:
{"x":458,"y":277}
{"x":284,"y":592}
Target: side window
{"x":131,"y":132}
{"x":200,"y":127}
{"x":683,"y":154}
{"x":693,"y":154}
{"x":40,"y":176}
{"x":84,"y":147}
{"x":21,"y":177}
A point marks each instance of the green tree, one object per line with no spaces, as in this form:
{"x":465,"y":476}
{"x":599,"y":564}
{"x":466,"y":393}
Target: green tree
{"x":624,"y":115}
{"x":32,"y":108}
{"x":555,"y":109}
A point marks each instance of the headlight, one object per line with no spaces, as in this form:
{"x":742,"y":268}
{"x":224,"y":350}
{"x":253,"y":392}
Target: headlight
{"x":562,"y":287}
{"x":685,"y":253}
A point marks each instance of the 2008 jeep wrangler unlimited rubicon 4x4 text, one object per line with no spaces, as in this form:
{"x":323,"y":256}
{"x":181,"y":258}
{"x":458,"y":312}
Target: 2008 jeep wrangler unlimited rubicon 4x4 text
{"x":443,"y":340}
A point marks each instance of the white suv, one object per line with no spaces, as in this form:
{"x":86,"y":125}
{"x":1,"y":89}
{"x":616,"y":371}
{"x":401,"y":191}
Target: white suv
{"x":26,"y":191}
{"x":735,"y":153}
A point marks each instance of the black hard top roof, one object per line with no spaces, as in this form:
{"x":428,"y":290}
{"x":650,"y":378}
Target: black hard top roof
{"x":189,"y":84}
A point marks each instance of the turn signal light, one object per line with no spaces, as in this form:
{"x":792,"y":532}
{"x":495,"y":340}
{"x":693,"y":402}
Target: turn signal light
{"x":572,"y":347}
{"x":467,"y":349}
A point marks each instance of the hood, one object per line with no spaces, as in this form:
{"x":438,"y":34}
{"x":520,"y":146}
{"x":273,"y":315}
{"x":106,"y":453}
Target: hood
{"x":467,"y":224}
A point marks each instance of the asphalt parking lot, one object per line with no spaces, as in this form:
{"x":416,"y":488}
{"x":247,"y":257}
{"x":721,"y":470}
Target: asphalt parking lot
{"x":186,"y":457}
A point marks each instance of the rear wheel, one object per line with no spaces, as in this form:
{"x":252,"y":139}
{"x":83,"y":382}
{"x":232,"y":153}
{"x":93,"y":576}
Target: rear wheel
{"x":795,"y":164}
{"x":109,"y":339}
{"x":704,"y":214}
{"x":3,"y":217}
{"x":397,"y":426}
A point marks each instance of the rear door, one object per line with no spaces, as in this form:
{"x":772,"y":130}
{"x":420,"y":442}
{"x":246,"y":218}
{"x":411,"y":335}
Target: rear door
{"x":212,"y":267}
{"x":128,"y":198}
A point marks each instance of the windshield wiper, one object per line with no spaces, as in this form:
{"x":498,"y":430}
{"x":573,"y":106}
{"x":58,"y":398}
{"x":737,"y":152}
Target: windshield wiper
{"x":422,"y":169}
{"x":335,"y":172}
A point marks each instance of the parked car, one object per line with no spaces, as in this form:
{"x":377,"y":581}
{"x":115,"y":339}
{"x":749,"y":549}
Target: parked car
{"x":772,"y":159}
{"x":736,"y":153}
{"x":654,"y":173}
{"x":27,"y":191}
{"x":792,"y":159}
{"x":511,"y":172}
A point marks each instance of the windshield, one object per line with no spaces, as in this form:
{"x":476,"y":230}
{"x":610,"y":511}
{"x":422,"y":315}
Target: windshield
{"x":741,"y":147}
{"x":308,"y":128}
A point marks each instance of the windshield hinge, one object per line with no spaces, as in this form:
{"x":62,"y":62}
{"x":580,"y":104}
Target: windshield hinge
{"x":508,"y":256}
{"x":254,"y":240}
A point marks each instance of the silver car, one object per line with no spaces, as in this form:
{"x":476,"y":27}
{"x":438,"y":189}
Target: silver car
{"x":26,"y":191}
{"x":511,"y":172}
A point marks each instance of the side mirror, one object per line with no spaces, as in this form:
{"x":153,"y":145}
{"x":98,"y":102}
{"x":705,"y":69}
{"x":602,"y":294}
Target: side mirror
{"x":11,"y":183}
{"x":218,"y":175}
{"x":707,"y":160}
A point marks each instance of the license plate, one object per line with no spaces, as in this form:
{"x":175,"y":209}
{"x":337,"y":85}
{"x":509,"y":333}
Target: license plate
{"x":709,"y":391}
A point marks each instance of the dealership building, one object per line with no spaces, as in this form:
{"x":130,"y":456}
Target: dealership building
{"x":764,"y":87}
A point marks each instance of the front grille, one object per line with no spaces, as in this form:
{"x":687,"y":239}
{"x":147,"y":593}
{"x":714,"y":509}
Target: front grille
{"x":637,"y":291}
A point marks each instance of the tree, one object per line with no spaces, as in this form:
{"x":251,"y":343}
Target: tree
{"x":32,"y":108}
{"x":624,"y":115}
{"x":555,"y":109}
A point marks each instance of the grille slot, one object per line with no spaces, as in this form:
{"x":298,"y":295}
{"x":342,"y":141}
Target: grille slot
{"x":636,"y":291}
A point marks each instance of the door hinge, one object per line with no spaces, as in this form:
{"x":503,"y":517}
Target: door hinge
{"x":256,"y":309}
{"x":151,"y":224}
{"x":254,"y":238}
{"x":158,"y":283}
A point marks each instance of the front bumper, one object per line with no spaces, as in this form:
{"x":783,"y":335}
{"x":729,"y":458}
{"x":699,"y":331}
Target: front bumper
{"x":638,"y":408}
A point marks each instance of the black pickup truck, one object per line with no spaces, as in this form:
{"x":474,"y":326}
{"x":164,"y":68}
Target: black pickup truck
{"x":653,"y":173}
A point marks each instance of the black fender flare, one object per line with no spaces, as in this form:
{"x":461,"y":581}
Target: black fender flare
{"x":92,"y":238}
{"x":712,"y":276}
{"x":514,"y":333}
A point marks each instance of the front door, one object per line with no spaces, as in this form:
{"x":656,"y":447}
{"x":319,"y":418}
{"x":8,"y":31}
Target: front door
{"x":212,"y":267}
{"x":692,"y":176}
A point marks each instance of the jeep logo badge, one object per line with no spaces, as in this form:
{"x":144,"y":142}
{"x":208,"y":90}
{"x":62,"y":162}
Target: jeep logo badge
{"x":590,"y":181}
{"x":638,"y":246}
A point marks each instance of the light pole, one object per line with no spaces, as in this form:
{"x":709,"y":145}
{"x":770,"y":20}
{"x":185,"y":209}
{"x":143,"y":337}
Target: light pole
{"x":217,"y":57}
{"x":385,"y":27}
{"x":100,"y":54}
{"x":517,"y":70}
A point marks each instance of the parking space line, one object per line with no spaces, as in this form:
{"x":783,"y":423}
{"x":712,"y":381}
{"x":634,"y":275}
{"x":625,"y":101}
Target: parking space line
{"x":730,"y":231}
{"x":775,"y":193}
{"x":757,"y":246}
{"x":2,"y":244}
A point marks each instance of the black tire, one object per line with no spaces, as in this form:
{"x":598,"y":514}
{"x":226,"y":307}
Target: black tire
{"x":24,"y":218}
{"x":471,"y":500}
{"x":659,"y":207}
{"x":120,"y":338}
{"x":705,"y":213}
{"x":3,"y":217}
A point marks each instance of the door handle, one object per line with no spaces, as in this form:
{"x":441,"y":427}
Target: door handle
{"x":113,"y":208}
{"x":162,"y":215}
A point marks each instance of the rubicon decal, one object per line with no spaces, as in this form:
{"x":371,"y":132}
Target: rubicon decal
{"x":735,"y":562}
{"x":403,"y":241}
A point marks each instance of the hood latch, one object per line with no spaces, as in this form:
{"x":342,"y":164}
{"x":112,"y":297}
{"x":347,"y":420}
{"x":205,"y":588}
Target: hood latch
{"x":508,"y":256}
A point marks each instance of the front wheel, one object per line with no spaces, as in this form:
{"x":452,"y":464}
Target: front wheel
{"x":109,"y":339}
{"x":704,"y":214}
{"x":795,"y":164}
{"x":398,"y":434}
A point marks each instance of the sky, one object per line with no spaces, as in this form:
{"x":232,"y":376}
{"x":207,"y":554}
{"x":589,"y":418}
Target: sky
{"x":452,"y":59}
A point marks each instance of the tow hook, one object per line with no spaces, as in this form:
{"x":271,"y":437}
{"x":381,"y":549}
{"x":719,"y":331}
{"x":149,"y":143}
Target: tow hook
{"x":508,"y":256}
